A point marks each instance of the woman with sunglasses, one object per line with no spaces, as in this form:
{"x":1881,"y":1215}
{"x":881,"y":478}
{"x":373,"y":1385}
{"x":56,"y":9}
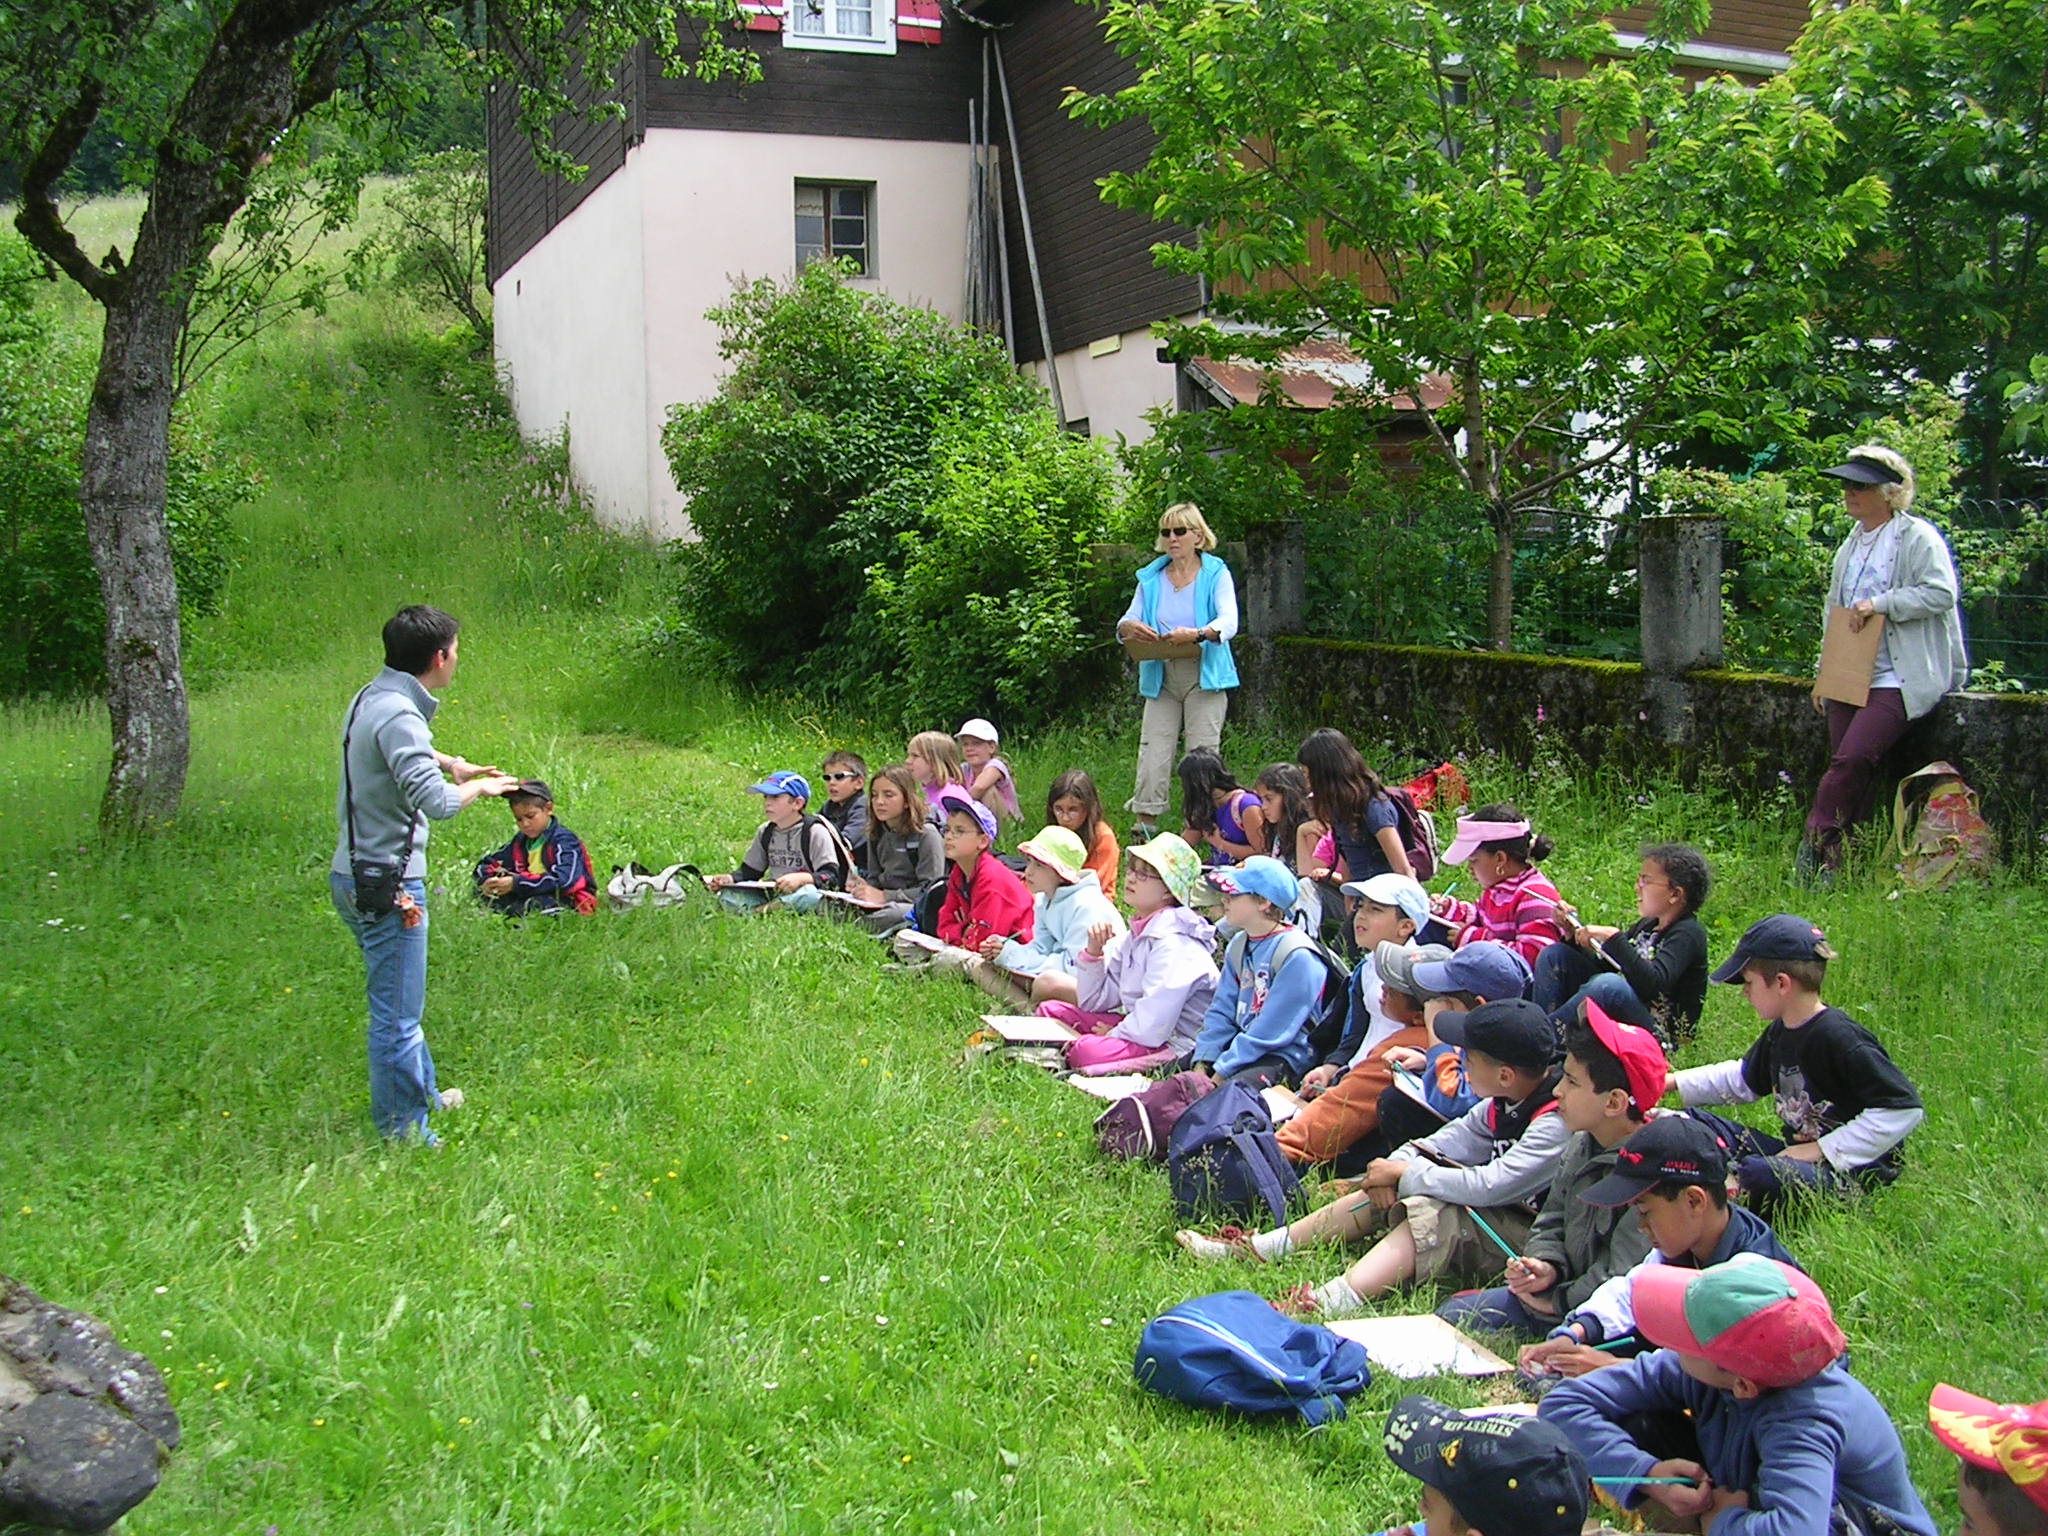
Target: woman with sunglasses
{"x":1185,"y":597}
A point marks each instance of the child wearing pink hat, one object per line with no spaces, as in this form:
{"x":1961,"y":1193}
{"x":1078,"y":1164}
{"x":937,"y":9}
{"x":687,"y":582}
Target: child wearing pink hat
{"x":2002,"y":1484}
{"x":1747,"y":1401}
{"x":1517,"y":905}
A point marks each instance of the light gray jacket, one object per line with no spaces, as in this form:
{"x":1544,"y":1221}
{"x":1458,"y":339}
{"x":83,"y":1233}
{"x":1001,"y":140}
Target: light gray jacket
{"x":1922,"y":621}
{"x":398,"y":785}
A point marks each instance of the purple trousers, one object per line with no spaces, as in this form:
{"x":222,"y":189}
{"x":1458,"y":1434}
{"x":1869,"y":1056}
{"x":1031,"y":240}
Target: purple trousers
{"x":1857,"y":741}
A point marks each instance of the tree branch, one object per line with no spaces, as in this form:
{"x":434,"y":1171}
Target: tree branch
{"x":38,"y":219}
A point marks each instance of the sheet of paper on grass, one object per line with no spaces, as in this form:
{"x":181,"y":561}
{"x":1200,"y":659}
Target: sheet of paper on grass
{"x":1282,"y":1102}
{"x":918,"y":940}
{"x":1028,"y":1029}
{"x":1847,"y":657}
{"x":1416,"y":1347}
{"x":1113,"y":1086}
{"x":852,"y":900}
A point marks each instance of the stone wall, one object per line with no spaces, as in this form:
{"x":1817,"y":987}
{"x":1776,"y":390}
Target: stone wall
{"x":1744,"y":727}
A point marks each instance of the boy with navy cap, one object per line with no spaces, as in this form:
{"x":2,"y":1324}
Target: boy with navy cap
{"x":1845,"y":1106}
{"x":1674,"y":1174}
{"x":1491,"y":1474}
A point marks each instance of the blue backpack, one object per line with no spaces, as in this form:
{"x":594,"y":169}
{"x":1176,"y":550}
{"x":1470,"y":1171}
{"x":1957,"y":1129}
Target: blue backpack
{"x":1233,"y":1350}
{"x":1223,"y":1160}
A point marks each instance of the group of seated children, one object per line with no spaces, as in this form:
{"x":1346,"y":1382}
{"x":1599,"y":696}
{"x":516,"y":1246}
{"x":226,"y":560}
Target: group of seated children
{"x":1679,"y":1353}
{"x":1498,"y":1098}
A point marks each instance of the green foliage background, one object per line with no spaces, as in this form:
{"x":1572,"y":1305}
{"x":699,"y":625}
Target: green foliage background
{"x":886,"y":510}
{"x":52,"y":635}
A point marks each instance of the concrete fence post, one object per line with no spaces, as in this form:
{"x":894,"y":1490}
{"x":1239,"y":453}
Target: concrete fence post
{"x":1275,"y":579}
{"x":1679,"y":570}
{"x":1679,"y":574}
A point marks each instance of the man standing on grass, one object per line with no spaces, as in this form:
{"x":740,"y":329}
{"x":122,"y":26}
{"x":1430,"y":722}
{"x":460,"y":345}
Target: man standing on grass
{"x":392,"y":781}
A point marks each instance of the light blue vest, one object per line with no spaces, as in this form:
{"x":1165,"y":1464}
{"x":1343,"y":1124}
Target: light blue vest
{"x":1218,"y":670}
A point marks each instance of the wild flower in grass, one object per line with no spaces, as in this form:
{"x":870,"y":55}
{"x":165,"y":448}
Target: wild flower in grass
{"x":1784,"y":777}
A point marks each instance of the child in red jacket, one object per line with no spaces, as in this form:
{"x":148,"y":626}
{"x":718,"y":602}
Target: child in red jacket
{"x":984,"y":898}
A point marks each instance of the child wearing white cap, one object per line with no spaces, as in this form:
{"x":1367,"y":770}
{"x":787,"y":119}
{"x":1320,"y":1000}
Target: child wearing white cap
{"x":988,"y":776}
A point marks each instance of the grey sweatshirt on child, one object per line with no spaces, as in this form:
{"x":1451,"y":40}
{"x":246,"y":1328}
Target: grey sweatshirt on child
{"x":397,"y":783}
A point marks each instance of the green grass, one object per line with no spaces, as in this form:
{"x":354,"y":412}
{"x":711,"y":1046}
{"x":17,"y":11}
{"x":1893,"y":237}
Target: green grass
{"x":644,"y":1286}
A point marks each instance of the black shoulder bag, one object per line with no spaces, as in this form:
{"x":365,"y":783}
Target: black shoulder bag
{"x":377,"y":883}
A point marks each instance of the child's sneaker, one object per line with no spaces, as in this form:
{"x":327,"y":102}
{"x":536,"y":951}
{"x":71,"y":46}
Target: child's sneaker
{"x":1228,"y":1243}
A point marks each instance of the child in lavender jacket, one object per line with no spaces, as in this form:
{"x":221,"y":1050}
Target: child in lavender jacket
{"x":1142,"y":995}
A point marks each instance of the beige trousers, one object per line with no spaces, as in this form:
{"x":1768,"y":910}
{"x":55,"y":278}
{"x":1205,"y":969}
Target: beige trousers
{"x":1182,"y":708}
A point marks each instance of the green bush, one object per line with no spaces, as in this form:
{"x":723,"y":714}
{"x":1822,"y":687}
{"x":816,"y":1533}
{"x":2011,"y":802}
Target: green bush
{"x":884,"y":508}
{"x":991,"y":608}
{"x":51,"y":639}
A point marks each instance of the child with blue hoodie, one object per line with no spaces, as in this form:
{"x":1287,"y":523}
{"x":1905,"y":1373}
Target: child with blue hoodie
{"x":1744,"y":1409}
{"x":1143,"y":994}
{"x":1066,"y":902}
{"x":1256,"y":1029}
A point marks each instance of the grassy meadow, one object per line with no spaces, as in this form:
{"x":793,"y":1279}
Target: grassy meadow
{"x":728,"y":1237}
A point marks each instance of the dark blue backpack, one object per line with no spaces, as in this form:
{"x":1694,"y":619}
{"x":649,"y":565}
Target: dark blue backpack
{"x":1232,"y":1350}
{"x":1222,"y":1159}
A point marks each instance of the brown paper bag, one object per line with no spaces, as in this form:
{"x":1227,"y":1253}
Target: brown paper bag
{"x":1847,"y":657}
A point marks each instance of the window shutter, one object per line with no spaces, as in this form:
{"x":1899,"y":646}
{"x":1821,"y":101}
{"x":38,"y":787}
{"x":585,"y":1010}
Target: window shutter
{"x":761,"y":15}
{"x":917,"y":21}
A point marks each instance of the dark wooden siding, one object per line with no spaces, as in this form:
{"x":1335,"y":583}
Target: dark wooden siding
{"x":1769,"y":25}
{"x":919,"y":92}
{"x":1096,"y":260}
{"x":526,"y":201}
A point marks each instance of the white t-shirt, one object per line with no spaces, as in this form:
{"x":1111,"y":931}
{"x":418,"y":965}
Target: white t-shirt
{"x":1873,"y":559}
{"x":1374,"y":991}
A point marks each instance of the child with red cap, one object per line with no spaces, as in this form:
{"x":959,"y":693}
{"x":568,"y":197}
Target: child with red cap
{"x":2002,"y":1485}
{"x":1783,"y":1440}
{"x":1613,"y":1074}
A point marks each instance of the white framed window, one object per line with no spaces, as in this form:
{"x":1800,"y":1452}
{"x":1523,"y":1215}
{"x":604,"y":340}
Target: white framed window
{"x":850,"y":26}
{"x":836,"y":220}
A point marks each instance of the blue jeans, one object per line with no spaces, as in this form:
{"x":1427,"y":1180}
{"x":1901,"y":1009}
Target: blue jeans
{"x":395,"y":981}
{"x":1566,"y":976}
{"x":1498,"y":1310}
{"x":1766,"y":1178}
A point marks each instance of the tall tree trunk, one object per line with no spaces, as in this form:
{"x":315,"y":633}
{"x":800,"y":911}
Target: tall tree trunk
{"x":1483,"y":479}
{"x":1500,"y":578}
{"x":121,"y":492}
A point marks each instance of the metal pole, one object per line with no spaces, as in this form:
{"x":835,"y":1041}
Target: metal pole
{"x":1052,"y":371}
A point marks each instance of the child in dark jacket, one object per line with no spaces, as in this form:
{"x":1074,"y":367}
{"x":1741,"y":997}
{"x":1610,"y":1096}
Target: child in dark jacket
{"x":545,"y":868}
{"x":1746,"y":1403}
{"x":1674,"y":1174}
{"x":1654,"y":971}
{"x":1845,"y":1106}
{"x":1613,"y":1074}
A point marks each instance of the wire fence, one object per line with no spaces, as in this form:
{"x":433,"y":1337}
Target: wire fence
{"x":1576,"y":594}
